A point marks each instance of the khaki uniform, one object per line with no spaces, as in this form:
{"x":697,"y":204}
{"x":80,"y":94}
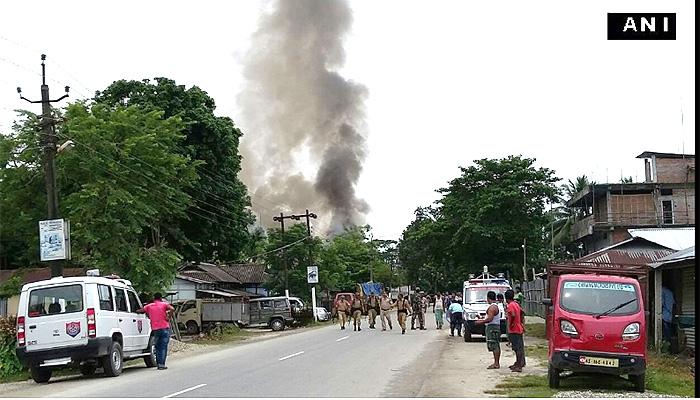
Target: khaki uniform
{"x":357,"y":306}
{"x":343,"y":309}
{"x":385,"y":307}
{"x":402,"y":310}
{"x":372,"y":310}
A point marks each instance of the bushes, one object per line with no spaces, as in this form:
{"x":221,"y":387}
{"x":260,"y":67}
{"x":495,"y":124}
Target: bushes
{"x":9,"y":364}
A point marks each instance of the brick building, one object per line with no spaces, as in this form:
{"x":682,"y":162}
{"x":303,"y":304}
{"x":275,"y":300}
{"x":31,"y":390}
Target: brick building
{"x":666,"y":199}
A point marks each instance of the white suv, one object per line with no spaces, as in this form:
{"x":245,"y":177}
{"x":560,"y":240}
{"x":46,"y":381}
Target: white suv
{"x":85,"y":321}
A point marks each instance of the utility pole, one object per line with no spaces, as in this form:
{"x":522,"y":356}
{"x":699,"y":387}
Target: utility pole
{"x":281,"y":219}
{"x":48,"y":141}
{"x":524,"y":259}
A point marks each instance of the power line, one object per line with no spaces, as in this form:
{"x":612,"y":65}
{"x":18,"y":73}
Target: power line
{"x":281,"y":248}
{"x":162,"y":184}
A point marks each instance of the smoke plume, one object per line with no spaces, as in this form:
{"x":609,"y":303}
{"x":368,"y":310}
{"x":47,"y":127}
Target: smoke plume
{"x":300,"y":113}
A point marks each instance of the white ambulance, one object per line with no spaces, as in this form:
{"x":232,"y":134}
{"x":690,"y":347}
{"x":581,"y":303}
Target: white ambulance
{"x":475,"y":304}
{"x":88,"y":321}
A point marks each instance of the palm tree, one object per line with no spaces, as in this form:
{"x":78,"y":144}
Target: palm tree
{"x":563,"y":217}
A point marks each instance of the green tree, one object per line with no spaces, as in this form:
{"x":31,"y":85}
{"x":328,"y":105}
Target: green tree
{"x":216,"y":226}
{"x":299,"y":254}
{"x":117,"y":207}
{"x":481,"y":219}
{"x":22,"y":195}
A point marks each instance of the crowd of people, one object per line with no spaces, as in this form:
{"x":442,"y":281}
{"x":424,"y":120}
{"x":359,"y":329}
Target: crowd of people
{"x":446,"y":307}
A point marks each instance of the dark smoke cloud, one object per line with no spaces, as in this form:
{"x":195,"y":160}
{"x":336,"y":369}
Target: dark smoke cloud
{"x":295,"y":100}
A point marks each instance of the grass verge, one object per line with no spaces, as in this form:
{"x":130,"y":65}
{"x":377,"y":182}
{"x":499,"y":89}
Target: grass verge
{"x":666,"y":374}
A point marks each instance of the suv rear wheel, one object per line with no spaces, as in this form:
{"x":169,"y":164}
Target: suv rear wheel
{"x":114,"y":360}
{"x":40,"y":375}
{"x":150,"y":359}
{"x":277,"y":324}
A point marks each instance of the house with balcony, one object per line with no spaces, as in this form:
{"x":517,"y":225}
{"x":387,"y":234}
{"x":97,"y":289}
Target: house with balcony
{"x":666,"y":199}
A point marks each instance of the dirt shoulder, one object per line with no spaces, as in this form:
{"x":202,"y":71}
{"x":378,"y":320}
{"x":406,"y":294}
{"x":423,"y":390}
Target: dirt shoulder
{"x":460,"y":371}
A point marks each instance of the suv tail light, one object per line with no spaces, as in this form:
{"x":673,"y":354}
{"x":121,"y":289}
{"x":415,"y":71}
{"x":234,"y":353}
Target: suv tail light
{"x":568,"y":328}
{"x":91,"y":325}
{"x":631,"y":332}
{"x":21,"y":339}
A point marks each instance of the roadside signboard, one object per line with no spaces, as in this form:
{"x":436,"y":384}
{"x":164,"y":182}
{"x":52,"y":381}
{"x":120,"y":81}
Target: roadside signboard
{"x":54,"y":239}
{"x":312,"y":274}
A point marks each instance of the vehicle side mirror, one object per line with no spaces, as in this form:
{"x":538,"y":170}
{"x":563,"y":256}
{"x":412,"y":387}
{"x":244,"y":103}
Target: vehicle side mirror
{"x":547,"y":301}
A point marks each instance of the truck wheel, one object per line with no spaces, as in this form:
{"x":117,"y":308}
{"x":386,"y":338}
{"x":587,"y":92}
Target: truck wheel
{"x":639,"y":382}
{"x":40,"y":375}
{"x":277,"y":325}
{"x":88,"y":369}
{"x":553,"y":375}
{"x":467,"y":335}
{"x":192,"y":328}
{"x":113,"y":361}
{"x":150,"y":360}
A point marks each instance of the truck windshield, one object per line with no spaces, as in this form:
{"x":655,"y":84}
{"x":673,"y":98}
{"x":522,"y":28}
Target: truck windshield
{"x":474,"y":295}
{"x":594,"y":298}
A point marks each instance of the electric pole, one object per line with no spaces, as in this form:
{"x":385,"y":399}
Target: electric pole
{"x":524,"y":259}
{"x":48,"y":142}
{"x":281,"y":219}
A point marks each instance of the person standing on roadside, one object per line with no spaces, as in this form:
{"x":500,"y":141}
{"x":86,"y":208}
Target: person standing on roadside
{"x":515,"y":331}
{"x":159,"y":313}
{"x":492,"y":331}
{"x":385,"y":307}
{"x":403,"y":308}
{"x":438,"y":309}
{"x":455,"y":311}
{"x":343,"y":308}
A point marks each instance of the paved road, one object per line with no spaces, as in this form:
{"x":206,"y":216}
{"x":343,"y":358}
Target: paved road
{"x":325,"y":362}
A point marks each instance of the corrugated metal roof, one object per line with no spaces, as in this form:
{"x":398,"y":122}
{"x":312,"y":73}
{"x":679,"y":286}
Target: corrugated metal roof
{"x":685,"y":254}
{"x":673,"y":238}
{"x":637,"y":251}
{"x":247,"y":273}
{"x":199,"y":275}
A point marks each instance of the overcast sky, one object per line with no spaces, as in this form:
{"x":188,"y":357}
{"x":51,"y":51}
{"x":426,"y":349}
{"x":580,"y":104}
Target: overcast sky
{"x":448,"y":81}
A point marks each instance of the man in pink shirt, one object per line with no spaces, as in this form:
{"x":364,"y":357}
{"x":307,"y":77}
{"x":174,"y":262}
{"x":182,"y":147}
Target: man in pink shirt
{"x":159,"y":313}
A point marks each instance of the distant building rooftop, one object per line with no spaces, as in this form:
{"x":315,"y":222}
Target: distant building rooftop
{"x":649,"y":154}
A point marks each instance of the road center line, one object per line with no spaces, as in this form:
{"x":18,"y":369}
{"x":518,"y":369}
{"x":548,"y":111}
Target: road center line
{"x":291,"y":355}
{"x":342,"y":338}
{"x":185,"y":391}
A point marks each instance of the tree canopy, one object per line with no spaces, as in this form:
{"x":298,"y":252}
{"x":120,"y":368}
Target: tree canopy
{"x":483,"y":218}
{"x":216,"y":227}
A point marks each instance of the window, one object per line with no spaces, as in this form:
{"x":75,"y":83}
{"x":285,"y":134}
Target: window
{"x":280,"y":304}
{"x":667,"y":210}
{"x":583,"y":297}
{"x":106,"y":299}
{"x":134,"y":302}
{"x":266,"y":304}
{"x":187,"y":306}
{"x":56,"y":300}
{"x":120,"y":297}
{"x":666,"y":192}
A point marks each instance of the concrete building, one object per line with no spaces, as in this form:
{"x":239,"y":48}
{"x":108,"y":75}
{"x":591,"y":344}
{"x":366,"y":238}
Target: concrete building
{"x":666,"y":199}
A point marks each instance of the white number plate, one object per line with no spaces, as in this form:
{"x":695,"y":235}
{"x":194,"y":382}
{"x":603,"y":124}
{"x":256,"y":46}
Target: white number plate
{"x":599,"y":362}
